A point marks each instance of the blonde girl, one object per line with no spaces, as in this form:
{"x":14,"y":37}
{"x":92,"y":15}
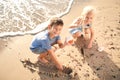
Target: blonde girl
{"x":83,"y":25}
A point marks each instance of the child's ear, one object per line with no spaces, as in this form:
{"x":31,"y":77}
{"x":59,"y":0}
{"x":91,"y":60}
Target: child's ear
{"x":49,"y":27}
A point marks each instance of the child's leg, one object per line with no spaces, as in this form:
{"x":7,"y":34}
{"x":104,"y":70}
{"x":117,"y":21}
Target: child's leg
{"x":77,"y":34}
{"x":54,"y":48}
{"x":87,"y":31}
{"x":87,"y":37}
{"x":42,"y":56}
{"x":52,"y":56}
{"x":55,"y":60}
{"x":87,"y":34}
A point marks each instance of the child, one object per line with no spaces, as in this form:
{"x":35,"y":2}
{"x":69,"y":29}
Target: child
{"x":43,"y":42}
{"x":83,"y":25}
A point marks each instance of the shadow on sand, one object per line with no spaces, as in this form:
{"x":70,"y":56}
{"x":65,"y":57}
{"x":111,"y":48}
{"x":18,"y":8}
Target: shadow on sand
{"x":46,"y":71}
{"x":104,"y":68}
{"x":101,"y":64}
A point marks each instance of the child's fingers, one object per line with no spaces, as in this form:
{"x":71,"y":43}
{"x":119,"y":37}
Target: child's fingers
{"x":69,"y":40}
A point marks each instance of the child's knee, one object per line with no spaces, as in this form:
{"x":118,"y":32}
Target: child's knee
{"x":43,"y":54}
{"x":54,"y":48}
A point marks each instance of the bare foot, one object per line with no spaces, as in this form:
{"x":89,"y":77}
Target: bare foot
{"x":43,"y":60}
{"x":67,"y":70}
{"x":60,"y":67}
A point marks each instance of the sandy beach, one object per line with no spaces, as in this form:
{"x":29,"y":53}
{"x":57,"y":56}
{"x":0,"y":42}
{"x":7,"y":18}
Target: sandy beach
{"x":17,"y":62}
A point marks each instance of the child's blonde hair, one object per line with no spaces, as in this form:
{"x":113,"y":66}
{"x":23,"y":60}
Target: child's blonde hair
{"x":86,"y":10}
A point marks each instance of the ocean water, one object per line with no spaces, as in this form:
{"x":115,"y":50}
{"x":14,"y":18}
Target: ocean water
{"x":20,"y":17}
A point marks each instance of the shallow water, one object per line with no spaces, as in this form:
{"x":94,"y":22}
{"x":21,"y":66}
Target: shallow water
{"x":20,"y":17}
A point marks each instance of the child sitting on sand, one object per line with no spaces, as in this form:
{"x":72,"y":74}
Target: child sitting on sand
{"x":83,"y":25}
{"x":43,"y":42}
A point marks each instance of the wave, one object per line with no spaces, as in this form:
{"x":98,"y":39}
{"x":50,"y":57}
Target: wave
{"x":38,"y":28}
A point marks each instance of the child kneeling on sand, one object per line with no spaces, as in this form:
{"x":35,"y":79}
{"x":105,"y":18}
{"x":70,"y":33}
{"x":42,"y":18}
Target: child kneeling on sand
{"x":83,"y":25}
{"x":43,"y":42}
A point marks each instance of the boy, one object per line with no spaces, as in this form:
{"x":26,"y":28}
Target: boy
{"x":43,"y":42}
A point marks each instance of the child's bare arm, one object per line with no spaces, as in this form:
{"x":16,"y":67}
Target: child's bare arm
{"x":75,"y":23}
{"x":60,"y":44}
{"x":55,"y":59}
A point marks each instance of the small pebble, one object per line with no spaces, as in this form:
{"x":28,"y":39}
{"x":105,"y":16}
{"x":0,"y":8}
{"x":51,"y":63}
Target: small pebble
{"x":79,"y":69}
{"x":112,"y":30}
{"x":98,"y":69}
{"x":113,"y":76}
{"x":114,"y":34}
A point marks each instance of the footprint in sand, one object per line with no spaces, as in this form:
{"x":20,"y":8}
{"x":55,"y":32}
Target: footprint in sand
{"x":119,"y":15}
{"x":111,"y":35}
{"x":111,"y":43}
{"x":87,"y":75}
{"x":112,"y":30}
{"x":75,"y":55}
{"x":118,"y":28}
{"x":113,"y":76}
{"x":112,"y":48}
{"x":69,"y":54}
{"x":98,"y":68}
{"x":80,"y":69}
{"x":58,"y":55}
{"x":114,"y":34}
{"x":105,"y":31}
{"x":108,"y":26}
{"x":47,"y":70}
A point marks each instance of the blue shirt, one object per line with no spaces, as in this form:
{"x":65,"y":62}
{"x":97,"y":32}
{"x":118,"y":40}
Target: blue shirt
{"x":43,"y":40}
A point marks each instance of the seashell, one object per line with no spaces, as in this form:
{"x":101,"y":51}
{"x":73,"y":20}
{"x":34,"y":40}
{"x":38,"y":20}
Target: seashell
{"x":100,"y":49}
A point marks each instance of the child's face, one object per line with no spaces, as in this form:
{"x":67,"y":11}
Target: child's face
{"x":56,"y":30}
{"x":89,"y":18}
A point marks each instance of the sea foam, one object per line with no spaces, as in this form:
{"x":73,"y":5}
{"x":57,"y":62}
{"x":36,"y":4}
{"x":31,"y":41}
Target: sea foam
{"x":34,"y":30}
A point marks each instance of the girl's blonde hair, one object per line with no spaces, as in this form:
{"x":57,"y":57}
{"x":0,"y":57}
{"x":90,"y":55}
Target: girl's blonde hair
{"x":86,"y":10}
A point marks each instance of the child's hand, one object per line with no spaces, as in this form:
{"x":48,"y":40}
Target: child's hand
{"x":66,"y":43}
{"x":69,"y":41}
{"x":60,"y":67}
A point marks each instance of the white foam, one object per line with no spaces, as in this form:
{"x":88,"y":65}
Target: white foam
{"x":39,"y":27}
{"x":68,"y":9}
{"x":11,"y":34}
